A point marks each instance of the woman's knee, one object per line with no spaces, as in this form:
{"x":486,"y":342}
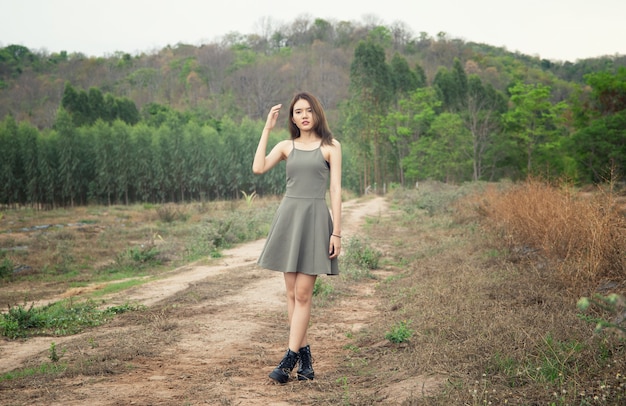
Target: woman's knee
{"x":303,"y":298}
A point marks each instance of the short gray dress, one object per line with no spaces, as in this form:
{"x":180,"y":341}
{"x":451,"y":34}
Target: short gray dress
{"x":299,"y":236}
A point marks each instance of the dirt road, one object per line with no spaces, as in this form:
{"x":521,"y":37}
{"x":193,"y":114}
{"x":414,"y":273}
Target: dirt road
{"x":213,"y":335}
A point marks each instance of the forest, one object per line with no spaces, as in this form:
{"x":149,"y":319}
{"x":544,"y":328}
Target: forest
{"x":181,"y":123}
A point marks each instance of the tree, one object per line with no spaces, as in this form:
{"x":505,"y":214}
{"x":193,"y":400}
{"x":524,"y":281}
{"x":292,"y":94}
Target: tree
{"x":69,"y":158}
{"x":371,"y":89}
{"x":420,"y":75}
{"x":104,"y":162}
{"x":122,"y":159}
{"x":445,"y":154}
{"x":127,"y":111}
{"x":452,"y":86}
{"x":533,"y":120}
{"x":10,"y":164}
{"x":600,"y":148}
{"x":483,"y":109}
{"x":404,"y":79}
{"x":599,"y":144}
{"x":29,"y":137}
{"x":608,"y":94}
{"x":409,"y":122}
{"x":95,"y":105}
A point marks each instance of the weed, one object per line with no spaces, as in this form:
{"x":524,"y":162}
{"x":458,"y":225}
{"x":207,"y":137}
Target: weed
{"x":343,"y":381}
{"x":6,"y":268}
{"x":92,"y":343}
{"x":168,"y":213}
{"x":613,"y":304}
{"x":18,"y":319}
{"x":400,"y":332}
{"x":52,"y":353}
{"x":249,"y":197}
{"x":322,"y":288}
{"x":135,"y":258}
{"x":361,"y":254}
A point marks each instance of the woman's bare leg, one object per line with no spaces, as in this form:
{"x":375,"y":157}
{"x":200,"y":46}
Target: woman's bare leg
{"x":299,"y":300}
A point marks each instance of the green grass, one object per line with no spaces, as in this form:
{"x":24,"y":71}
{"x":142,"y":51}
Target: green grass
{"x":47,"y":368}
{"x":120,"y":286}
{"x":56,"y":319}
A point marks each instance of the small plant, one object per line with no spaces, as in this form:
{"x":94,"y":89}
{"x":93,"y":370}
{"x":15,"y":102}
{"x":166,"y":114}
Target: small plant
{"x":52,"y":353}
{"x":136,"y":258}
{"x":6,"y":268}
{"x":361,"y":254}
{"x":343,"y":381}
{"x":169,"y":213}
{"x":249,"y":197}
{"x":322,"y":288}
{"x":93,"y":343}
{"x":612,"y":304}
{"x":400,"y":332}
{"x":18,"y":319}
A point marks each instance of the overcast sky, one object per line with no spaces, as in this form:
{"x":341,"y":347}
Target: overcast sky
{"x":551,"y":29}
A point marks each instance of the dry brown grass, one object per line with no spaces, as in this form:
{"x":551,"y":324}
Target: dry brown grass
{"x":582,"y":236}
{"x":486,"y":329}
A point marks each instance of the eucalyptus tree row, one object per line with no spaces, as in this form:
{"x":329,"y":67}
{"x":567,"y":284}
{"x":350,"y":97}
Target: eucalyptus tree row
{"x":116,"y":163}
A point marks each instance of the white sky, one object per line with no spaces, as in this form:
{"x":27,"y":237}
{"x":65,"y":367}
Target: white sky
{"x":551,"y":29}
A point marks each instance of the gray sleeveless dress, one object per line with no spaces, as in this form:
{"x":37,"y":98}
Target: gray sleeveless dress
{"x":299,"y":236}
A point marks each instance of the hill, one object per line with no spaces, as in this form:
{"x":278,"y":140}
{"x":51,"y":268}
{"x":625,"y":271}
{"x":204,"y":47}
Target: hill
{"x":243,"y":74}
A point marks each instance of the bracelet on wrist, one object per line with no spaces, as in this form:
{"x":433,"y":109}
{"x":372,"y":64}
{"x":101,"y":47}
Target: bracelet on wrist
{"x":335,"y":235}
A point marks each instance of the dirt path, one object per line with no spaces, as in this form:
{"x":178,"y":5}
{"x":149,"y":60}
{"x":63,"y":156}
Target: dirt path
{"x":218,"y":349}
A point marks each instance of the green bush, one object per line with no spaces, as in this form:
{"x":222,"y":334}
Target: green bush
{"x":322,"y":288}
{"x":6,"y":268}
{"x":360,"y":254}
{"x":399,"y":333}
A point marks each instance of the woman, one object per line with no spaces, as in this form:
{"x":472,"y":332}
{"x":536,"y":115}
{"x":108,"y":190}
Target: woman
{"x":304,"y":239}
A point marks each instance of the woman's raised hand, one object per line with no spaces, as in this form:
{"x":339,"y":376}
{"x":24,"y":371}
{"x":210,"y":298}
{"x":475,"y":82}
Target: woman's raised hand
{"x":272,"y":116}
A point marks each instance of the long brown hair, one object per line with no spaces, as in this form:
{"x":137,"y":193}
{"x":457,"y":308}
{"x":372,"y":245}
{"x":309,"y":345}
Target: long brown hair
{"x":320,"y":126}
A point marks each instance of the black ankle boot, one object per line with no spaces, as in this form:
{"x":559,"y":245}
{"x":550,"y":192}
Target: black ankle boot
{"x":281,"y":373}
{"x":305,"y":371}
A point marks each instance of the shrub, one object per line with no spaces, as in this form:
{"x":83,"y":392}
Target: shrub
{"x":6,"y":267}
{"x":361,"y":254}
{"x":400,"y":332}
{"x":582,"y":236}
{"x":169,"y":213}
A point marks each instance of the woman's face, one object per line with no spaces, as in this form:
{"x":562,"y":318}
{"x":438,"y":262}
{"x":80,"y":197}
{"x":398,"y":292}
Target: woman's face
{"x":303,"y":116}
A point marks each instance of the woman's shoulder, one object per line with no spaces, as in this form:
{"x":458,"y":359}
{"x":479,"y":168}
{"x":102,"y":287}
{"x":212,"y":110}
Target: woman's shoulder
{"x":285,"y":142}
{"x":334,"y":144}
{"x":331,"y":151}
{"x":285,"y":147}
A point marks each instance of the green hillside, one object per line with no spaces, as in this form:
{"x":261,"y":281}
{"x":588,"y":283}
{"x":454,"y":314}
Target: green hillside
{"x":443,"y":109}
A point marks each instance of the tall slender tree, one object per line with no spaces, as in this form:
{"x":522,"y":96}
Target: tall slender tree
{"x":69,"y":158}
{"x":371,"y":88}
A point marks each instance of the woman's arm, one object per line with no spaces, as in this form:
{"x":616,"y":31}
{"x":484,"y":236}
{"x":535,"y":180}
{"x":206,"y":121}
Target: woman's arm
{"x":262,"y":163}
{"x":335,"y":198}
